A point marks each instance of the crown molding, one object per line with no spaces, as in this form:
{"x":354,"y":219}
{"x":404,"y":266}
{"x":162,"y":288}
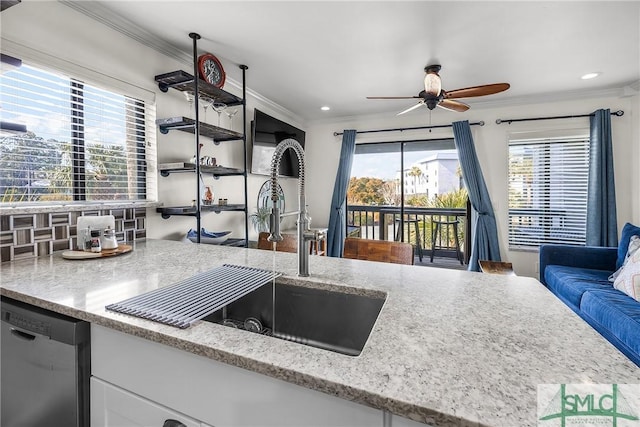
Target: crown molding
{"x":98,"y":12}
{"x":546,"y":98}
{"x":116,"y":22}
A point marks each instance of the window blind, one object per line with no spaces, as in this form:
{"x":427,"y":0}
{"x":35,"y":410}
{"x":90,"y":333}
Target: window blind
{"x":83,"y":142}
{"x":547,"y":191}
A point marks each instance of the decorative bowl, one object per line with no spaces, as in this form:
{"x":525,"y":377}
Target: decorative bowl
{"x":210,"y":237}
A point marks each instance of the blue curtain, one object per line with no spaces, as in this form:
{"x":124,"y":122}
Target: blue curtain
{"x":484,"y":242}
{"x":602,"y":227}
{"x":337,"y":217}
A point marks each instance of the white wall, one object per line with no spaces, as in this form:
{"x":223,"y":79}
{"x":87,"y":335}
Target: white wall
{"x":491,"y":141}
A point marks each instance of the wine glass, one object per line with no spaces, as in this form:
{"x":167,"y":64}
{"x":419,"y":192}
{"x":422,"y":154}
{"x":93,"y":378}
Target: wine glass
{"x":189,"y":95}
{"x":206,"y":102}
{"x":230,"y":114}
{"x":219,"y":107}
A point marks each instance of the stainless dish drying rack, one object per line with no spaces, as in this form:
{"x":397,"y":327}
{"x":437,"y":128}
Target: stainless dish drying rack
{"x":192,"y":299}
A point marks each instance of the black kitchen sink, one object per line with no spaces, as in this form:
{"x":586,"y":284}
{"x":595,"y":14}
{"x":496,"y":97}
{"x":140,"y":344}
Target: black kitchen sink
{"x":335,"y":321}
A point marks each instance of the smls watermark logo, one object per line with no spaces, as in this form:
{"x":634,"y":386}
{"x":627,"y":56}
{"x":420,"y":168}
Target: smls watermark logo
{"x":587,"y":405}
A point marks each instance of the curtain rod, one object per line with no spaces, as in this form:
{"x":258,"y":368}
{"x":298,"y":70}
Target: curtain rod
{"x":498,"y":121}
{"x":405,"y":140}
{"x":480,"y":123}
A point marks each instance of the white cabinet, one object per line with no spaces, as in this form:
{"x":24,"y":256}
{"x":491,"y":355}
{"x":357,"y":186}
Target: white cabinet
{"x":114,"y":407}
{"x":213,"y":392}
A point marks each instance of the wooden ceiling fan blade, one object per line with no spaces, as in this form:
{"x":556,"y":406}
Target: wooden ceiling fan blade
{"x":411,"y":108}
{"x":483,"y":90}
{"x":392,"y":97}
{"x":451,"y":105}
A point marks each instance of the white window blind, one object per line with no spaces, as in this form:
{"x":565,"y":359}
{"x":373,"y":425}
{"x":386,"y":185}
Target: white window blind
{"x":547,"y":191}
{"x":83,"y":143}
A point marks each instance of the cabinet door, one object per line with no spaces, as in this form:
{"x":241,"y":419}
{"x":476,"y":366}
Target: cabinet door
{"x":114,"y":407}
{"x":216,"y":393}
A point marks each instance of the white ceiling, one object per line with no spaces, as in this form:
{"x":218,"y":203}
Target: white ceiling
{"x":306,"y":54}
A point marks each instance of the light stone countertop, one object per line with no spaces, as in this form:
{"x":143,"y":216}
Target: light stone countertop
{"x":450,"y":348}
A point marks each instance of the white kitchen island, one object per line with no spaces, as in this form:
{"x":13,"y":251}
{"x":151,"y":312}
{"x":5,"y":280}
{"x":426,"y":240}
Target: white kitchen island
{"x":449,"y":348}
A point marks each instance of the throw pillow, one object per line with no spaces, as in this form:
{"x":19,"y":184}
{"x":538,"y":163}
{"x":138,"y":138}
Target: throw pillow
{"x":627,"y":231}
{"x":634,"y":245}
{"x":628,"y":281}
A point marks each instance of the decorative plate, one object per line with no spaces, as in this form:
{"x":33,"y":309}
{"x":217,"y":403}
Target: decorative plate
{"x":264,"y":196}
{"x":211,"y":70}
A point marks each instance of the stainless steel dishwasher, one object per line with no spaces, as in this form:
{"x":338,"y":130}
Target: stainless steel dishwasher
{"x":45,"y":368}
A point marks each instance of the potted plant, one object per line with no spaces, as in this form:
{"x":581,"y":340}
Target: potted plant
{"x":260,"y":219}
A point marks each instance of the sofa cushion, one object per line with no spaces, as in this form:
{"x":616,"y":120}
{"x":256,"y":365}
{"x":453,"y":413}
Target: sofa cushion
{"x":617,"y":312}
{"x":627,"y":231}
{"x":628,"y":281}
{"x":569,"y":283}
{"x":634,"y":245}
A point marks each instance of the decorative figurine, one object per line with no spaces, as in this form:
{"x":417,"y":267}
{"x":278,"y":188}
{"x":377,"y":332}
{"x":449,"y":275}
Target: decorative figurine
{"x":208,"y":195}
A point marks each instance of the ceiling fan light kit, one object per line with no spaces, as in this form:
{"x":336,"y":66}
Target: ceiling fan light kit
{"x":434,"y":96}
{"x":432,"y":82}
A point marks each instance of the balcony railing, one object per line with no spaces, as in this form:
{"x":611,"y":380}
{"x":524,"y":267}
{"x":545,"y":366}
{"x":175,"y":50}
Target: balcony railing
{"x":384,"y":223}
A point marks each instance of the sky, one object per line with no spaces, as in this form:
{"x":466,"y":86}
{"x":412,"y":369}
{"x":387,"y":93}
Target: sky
{"x":384,"y":165}
{"x":40,"y":100}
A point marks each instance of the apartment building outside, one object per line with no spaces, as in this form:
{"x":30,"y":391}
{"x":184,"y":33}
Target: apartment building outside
{"x":435,"y":174}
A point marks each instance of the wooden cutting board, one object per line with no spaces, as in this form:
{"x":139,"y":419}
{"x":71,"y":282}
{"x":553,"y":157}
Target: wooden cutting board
{"x":121,"y":249}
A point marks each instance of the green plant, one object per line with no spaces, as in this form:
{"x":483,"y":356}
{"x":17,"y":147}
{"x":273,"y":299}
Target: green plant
{"x":452,"y":199}
{"x":260,"y":219}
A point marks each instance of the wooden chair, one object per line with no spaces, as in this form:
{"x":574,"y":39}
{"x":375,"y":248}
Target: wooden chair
{"x":496,"y":267}
{"x":378,"y":250}
{"x":289,"y":244}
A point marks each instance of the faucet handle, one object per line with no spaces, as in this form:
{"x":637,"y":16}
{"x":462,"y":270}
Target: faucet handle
{"x":314,"y":234}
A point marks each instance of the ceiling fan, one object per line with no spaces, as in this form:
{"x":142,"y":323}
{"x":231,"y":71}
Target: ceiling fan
{"x":434,"y":96}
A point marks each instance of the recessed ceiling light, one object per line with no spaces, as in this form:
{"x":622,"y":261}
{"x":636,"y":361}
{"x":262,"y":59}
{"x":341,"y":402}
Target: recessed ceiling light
{"x":590,"y":76}
{"x":325,"y":108}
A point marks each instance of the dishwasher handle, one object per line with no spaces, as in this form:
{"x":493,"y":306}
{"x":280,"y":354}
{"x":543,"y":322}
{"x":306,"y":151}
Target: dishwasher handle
{"x":22,"y":335}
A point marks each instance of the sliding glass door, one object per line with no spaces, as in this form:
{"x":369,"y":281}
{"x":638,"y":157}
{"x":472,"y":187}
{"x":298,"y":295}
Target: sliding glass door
{"x":398,"y":189}
{"x":375,"y":186}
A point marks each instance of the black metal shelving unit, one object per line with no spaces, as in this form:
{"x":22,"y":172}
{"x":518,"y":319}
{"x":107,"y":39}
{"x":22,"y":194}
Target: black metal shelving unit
{"x":183,"y":81}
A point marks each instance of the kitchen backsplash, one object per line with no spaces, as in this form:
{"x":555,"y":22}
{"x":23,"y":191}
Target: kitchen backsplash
{"x":26,"y":235}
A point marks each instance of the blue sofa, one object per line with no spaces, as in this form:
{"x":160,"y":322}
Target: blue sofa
{"x":578,"y":275}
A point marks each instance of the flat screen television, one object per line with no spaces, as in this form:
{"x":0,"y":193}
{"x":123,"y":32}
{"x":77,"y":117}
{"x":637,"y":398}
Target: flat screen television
{"x":267,"y":132}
